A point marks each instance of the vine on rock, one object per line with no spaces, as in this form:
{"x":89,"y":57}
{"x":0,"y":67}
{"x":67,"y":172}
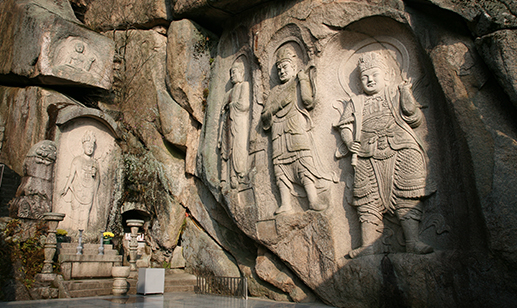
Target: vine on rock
{"x":21,"y":252}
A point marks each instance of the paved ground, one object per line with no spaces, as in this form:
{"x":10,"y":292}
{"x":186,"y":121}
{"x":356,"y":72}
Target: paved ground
{"x":180,"y":300}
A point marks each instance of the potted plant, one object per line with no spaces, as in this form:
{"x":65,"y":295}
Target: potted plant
{"x":61,"y":236}
{"x":107,"y":237}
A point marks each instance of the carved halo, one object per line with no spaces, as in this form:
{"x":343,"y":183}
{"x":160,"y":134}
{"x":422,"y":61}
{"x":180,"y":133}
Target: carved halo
{"x":348,"y":73}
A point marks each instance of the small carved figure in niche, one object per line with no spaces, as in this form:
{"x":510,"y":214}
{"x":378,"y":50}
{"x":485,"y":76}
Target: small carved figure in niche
{"x":83,"y":181}
{"x":233,"y":131}
{"x":294,"y":157}
{"x":388,"y":158}
{"x":78,"y":59}
{"x":34,"y":195}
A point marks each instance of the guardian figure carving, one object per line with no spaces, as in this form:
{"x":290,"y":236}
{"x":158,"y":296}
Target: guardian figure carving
{"x":388,"y":158}
{"x":286,"y":115}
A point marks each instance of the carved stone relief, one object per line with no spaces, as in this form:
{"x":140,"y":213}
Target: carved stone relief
{"x":34,"y":195}
{"x":234,"y":127}
{"x":83,"y":182}
{"x":75,"y":59}
{"x":60,"y":51}
{"x":293,"y":204}
{"x":388,"y":158}
{"x":286,"y":116}
{"x":86,"y":165}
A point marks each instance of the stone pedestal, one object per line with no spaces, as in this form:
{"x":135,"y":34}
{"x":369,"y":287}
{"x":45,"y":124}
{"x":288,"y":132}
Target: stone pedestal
{"x":134,"y":224}
{"x":88,"y":265}
{"x":50,"y":245}
{"x":120,"y":284}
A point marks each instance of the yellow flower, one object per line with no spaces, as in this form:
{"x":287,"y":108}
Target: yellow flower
{"x":61,"y":232}
{"x":108,"y":235}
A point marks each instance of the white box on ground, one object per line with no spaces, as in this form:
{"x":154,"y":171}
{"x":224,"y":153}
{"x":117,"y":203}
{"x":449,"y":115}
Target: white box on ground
{"x":150,"y":281}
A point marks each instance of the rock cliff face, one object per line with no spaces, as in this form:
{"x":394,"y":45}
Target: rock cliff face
{"x":229,"y":126}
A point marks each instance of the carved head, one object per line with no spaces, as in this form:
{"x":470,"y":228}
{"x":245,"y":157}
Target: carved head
{"x":79,"y":47}
{"x":374,"y":72}
{"x":237,"y":71}
{"x":44,"y":151}
{"x":286,"y":63}
{"x":88,"y":142}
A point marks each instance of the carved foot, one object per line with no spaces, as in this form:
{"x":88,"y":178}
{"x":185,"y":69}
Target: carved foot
{"x":361,"y":251}
{"x":418,"y":248}
{"x":284,"y":209}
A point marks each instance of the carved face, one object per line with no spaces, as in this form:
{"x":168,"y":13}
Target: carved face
{"x":88,"y":147}
{"x":286,"y":71}
{"x":79,"y":47}
{"x":373,"y":80}
{"x":46,"y":153}
{"x":236,"y":75}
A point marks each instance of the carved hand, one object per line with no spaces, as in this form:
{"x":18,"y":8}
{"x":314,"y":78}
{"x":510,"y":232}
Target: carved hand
{"x":405,"y":85}
{"x":407,"y":101}
{"x":266,"y":118}
{"x":302,"y":75}
{"x":306,"y":89}
{"x":226,"y":106}
{"x":64,"y":191}
{"x":355,"y":147}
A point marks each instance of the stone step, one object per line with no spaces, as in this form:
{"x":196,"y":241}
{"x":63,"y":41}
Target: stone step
{"x":74,"y":285}
{"x":73,"y":246}
{"x":180,"y":289}
{"x":90,"y":258}
{"x":180,"y":279}
{"x":90,"y":292}
{"x":87,"y":252}
{"x":175,"y":281}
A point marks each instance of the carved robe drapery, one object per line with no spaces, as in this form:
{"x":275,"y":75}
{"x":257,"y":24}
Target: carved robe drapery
{"x":234,"y":131}
{"x":294,"y":155}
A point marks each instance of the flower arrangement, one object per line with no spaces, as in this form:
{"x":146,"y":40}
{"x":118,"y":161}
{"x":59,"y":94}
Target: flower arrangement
{"x":61,"y":232}
{"x":108,"y":235}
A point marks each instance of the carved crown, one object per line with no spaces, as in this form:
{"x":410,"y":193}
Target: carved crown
{"x":370,"y":60}
{"x":285,"y":53}
{"x":89,"y":136}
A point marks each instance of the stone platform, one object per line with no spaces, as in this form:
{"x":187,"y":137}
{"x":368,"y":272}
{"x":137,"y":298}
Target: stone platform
{"x":88,"y":265}
{"x":175,"y":281}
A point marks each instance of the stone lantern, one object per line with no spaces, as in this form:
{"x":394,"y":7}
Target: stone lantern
{"x":134,"y":224}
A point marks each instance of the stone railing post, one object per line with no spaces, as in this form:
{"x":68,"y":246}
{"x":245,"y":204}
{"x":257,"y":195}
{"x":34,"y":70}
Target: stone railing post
{"x":80,"y":243}
{"x":51,"y":242}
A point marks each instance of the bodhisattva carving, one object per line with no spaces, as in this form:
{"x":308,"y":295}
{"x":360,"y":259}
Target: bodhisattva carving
{"x":388,"y":158}
{"x":83,"y":182}
{"x":233,"y":131}
{"x":34,"y":195}
{"x":294,"y":157}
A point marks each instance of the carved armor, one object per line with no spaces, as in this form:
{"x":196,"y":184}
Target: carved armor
{"x":392,"y":163}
